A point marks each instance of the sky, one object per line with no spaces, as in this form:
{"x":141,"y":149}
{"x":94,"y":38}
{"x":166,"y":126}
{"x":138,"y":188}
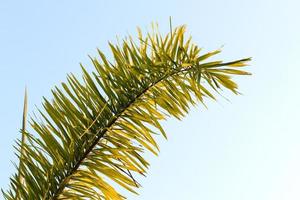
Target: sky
{"x":243,"y":149}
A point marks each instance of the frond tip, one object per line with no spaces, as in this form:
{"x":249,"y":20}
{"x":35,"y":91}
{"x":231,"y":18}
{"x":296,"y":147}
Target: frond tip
{"x":95,"y":131}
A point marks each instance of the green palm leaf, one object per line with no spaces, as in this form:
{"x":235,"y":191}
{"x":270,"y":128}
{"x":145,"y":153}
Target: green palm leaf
{"x":94,"y":132}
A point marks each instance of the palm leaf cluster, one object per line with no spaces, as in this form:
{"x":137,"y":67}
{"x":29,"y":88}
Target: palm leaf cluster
{"x":94,"y":131}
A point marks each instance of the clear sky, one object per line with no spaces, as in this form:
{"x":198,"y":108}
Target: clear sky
{"x":244,"y":149}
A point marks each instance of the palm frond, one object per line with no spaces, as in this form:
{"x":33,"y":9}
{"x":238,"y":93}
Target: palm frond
{"x":94,"y":131}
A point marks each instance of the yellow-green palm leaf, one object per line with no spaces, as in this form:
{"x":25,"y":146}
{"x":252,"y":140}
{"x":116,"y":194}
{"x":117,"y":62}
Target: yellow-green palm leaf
{"x":94,"y":131}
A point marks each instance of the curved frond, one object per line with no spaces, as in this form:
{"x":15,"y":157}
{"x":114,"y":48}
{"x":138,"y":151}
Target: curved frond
{"x":94,"y":131}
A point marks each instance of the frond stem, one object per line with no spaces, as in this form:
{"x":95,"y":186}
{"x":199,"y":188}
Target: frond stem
{"x":110,"y":124}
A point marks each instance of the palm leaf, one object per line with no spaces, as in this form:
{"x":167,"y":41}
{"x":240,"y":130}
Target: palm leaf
{"x":94,"y":131}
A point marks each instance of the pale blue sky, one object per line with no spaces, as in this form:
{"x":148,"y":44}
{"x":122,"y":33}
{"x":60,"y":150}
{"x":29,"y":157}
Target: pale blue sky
{"x":240,"y":150}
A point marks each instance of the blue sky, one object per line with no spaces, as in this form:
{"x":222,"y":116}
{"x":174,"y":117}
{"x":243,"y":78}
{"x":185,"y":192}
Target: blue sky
{"x":244,"y":149}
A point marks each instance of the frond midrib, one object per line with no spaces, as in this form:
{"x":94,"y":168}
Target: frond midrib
{"x":113,"y":119}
